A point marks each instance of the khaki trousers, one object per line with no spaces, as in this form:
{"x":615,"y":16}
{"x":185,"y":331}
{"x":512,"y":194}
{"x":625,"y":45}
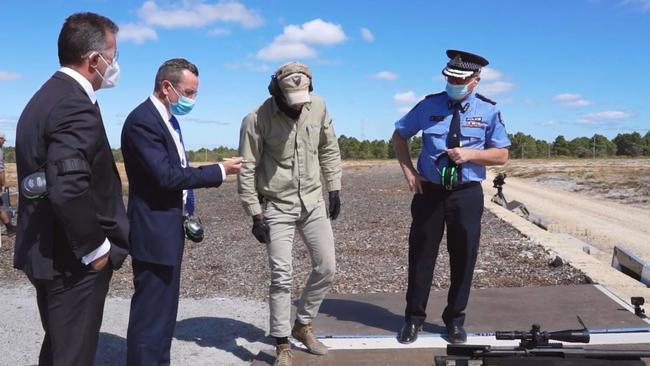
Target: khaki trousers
{"x":316,"y":232}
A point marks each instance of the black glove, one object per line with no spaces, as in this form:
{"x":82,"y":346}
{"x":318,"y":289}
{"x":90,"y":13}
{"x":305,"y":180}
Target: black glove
{"x":335,"y":205}
{"x":261,"y":230}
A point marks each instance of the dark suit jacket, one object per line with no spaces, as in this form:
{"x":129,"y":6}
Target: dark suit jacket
{"x":61,"y":132}
{"x":156,"y":184}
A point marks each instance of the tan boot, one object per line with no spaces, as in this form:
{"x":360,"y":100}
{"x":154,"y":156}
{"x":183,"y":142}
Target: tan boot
{"x":304,"y":333}
{"x":283,"y":355}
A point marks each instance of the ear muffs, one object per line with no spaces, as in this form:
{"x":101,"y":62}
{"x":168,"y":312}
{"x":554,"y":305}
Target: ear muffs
{"x":274,"y":87}
{"x":449,"y":177}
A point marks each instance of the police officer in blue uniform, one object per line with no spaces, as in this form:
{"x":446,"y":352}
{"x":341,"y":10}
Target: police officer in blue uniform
{"x":462,"y":133}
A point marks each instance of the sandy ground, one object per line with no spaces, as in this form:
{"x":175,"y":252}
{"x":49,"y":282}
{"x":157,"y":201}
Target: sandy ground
{"x":573,"y":196}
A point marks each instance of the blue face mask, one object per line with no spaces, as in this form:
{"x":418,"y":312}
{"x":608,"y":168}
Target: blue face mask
{"x":457,"y":92}
{"x":183,"y":106}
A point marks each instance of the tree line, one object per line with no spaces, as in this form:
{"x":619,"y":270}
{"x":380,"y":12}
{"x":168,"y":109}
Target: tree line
{"x":523,"y":147}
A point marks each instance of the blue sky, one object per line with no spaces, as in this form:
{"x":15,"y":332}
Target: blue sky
{"x":570,"y":67}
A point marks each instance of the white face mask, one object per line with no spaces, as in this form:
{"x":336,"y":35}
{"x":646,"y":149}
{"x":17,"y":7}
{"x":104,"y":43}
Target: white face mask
{"x":111,"y":75}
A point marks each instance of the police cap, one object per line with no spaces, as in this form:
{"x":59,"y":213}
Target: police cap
{"x":463,"y":64}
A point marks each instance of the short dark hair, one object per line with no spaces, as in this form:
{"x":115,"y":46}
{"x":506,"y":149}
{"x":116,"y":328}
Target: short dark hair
{"x":82,"y":33}
{"x":172,"y":70}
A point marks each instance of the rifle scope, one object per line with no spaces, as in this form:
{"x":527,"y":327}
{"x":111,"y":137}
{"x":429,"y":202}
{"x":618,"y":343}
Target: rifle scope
{"x":538,"y":338}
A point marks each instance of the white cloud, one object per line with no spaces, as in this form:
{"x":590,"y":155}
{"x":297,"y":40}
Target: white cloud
{"x":8,"y":126}
{"x":490,"y":74}
{"x":572,"y":100}
{"x":316,"y":31}
{"x":604,"y":117}
{"x":199,"y":14}
{"x":491,"y":82}
{"x":385,"y":75}
{"x":136,"y":33}
{"x":404,"y":110}
{"x":439,"y":79}
{"x":298,"y":41}
{"x":579,"y":103}
{"x":367,"y":34}
{"x":643,"y":4}
{"x":496,"y":87}
{"x":567,"y":97}
{"x":4,"y":121}
{"x":529,"y":102}
{"x":247,"y":66}
{"x":406,"y":97}
{"x":219,"y":32}
{"x":284,"y":51}
{"x":8,"y":76}
{"x":550,"y":122}
{"x":205,"y":121}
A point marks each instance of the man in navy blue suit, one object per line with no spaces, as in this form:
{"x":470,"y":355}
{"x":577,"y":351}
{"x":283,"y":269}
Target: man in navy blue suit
{"x":160,"y":199}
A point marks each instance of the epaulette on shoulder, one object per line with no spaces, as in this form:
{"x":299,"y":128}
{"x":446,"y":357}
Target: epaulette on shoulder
{"x":434,"y":95}
{"x":485,"y":99}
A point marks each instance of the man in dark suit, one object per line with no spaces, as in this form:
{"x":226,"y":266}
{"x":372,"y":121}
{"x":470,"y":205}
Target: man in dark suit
{"x":69,"y":242}
{"x":160,"y":197}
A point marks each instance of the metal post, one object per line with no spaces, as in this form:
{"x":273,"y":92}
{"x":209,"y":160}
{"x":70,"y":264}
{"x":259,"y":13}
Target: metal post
{"x":594,"y":148}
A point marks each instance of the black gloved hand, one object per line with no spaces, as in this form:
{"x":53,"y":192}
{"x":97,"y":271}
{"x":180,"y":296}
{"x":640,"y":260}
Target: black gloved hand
{"x":335,"y":205}
{"x":261,"y":230}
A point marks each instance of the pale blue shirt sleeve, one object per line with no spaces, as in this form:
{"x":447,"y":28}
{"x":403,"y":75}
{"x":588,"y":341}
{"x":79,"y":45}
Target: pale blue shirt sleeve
{"x":409,"y":125}
{"x":496,"y":135}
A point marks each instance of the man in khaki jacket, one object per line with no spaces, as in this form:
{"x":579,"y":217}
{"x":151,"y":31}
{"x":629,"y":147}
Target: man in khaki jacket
{"x":286,"y":143}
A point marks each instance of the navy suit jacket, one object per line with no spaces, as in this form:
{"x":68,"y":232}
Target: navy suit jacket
{"x":156,"y":184}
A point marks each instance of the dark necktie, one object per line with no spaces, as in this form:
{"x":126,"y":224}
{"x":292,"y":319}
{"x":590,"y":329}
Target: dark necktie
{"x":189,"y":202}
{"x":453,"y":137}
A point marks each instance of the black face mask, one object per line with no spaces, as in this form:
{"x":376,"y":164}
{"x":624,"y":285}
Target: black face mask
{"x":280,"y":100}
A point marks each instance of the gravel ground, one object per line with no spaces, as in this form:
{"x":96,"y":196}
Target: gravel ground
{"x":371,"y":242}
{"x":223,"y":313}
{"x":209,"y":331}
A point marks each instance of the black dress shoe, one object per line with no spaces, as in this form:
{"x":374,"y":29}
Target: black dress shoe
{"x":457,"y":334}
{"x":408,"y":333}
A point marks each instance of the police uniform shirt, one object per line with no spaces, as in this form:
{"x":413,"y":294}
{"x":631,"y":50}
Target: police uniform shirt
{"x":481,"y":127}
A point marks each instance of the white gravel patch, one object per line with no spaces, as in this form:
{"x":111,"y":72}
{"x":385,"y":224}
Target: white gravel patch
{"x":212,"y":331}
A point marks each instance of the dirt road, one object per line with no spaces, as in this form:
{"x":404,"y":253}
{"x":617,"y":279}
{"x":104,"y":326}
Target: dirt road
{"x":599,"y":222}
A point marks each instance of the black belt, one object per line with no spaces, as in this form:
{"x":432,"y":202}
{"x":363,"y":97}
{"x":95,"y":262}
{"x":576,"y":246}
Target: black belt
{"x":428,"y":186}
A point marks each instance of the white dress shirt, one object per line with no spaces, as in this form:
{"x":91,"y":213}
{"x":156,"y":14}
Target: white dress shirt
{"x":164,"y":113}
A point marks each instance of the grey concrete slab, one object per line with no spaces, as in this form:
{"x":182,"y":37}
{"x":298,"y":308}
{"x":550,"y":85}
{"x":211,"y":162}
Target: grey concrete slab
{"x":554,"y":307}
